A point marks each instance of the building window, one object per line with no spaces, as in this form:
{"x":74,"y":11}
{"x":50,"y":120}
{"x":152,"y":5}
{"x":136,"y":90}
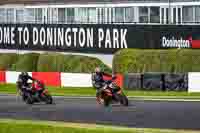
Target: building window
{"x":29,"y":16}
{"x":10,"y":15}
{"x":38,"y":15}
{"x":188,"y":14}
{"x":52,"y":15}
{"x":179,"y":15}
{"x":162,"y":15}
{"x":112,"y":15}
{"x":70,"y":15}
{"x":107,"y":15}
{"x":129,"y":14}
{"x":55,"y":15}
{"x":19,"y":15}
{"x":119,"y":14}
{"x":61,"y":15}
{"x":154,"y":14}
{"x":174,"y":15}
{"x":81,"y":15}
{"x":92,"y":15}
{"x":101,"y":15}
{"x":168,"y":16}
{"x":2,"y":15}
{"x":143,"y":14}
{"x":197,"y":14}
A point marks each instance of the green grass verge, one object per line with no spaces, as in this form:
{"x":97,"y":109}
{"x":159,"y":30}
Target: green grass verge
{"x":28,"y":126}
{"x":70,"y":91}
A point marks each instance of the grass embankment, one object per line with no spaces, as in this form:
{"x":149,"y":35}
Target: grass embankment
{"x":70,"y":91}
{"x":50,"y":62}
{"x":24,"y":126}
{"x":146,"y":60}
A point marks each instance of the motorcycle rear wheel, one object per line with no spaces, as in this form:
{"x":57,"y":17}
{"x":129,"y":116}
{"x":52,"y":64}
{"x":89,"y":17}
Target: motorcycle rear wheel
{"x":123,"y":100}
{"x":29,"y":99}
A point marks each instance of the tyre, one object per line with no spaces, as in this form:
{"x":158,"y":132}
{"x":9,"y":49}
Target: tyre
{"x":107,"y":101}
{"x":49,"y":99}
{"x":29,"y":99}
{"x":123,"y":100}
{"x":24,"y":97}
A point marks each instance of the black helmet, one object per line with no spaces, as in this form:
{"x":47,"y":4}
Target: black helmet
{"x":24,"y":73}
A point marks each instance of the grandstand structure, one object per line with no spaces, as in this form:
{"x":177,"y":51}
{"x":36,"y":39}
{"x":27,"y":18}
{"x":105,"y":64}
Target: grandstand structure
{"x":100,"y":11}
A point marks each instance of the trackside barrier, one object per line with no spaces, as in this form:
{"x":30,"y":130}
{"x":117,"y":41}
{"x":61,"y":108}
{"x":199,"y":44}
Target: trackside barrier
{"x":157,"y":81}
{"x":76,"y":80}
{"x":56,"y":78}
{"x":133,"y":81}
{"x":176,"y":82}
{"x":11,"y":76}
{"x":194,"y":82}
{"x":180,"y":82}
{"x":2,"y":77}
{"x":49,"y":78}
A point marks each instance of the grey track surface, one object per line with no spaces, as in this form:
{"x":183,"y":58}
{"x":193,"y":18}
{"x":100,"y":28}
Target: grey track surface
{"x":141,"y":114}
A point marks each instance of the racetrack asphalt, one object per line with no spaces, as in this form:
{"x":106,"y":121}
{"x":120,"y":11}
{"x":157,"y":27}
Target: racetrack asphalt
{"x":140,"y":114}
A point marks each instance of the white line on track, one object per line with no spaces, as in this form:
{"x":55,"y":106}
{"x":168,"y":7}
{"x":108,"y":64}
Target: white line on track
{"x":130,"y":98}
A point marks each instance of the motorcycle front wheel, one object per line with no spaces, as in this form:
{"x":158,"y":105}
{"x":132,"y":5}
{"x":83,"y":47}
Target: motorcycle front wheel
{"x":29,"y":99}
{"x":48,"y":99}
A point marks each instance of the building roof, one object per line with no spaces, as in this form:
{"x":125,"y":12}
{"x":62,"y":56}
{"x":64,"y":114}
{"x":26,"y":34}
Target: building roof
{"x":82,"y":1}
{"x":50,"y":1}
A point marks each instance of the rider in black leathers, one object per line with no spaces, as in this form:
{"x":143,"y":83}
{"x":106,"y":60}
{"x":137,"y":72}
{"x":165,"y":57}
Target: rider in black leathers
{"x":22,"y":82}
{"x":98,"y":80}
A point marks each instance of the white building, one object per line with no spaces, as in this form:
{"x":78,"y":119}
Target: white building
{"x":98,"y":11}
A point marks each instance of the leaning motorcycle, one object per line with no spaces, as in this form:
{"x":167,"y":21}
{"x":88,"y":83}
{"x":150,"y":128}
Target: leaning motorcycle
{"x":112,"y":93}
{"x":36,"y":92}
